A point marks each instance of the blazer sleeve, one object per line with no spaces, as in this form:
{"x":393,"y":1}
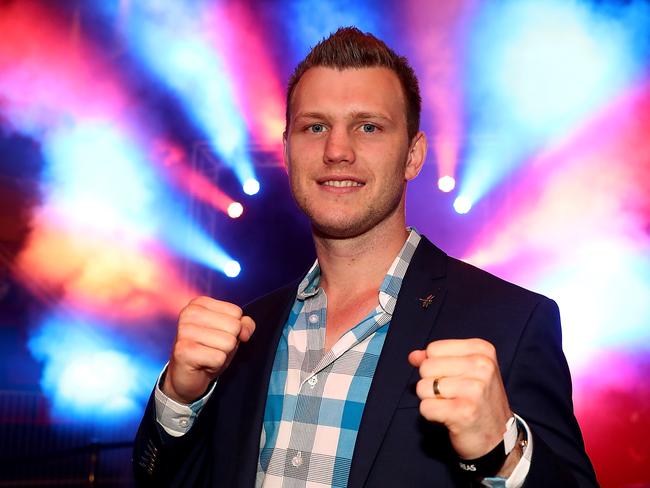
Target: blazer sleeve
{"x":539,"y":390}
{"x":161,"y":460}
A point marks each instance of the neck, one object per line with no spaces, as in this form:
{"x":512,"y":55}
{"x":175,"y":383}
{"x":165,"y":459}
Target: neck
{"x":357,"y":264}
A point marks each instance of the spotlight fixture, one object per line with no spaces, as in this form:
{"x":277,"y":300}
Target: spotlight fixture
{"x":462,"y":205}
{"x":232,"y":269}
{"x":251,"y":186}
{"x":235,"y":209}
{"x":446,"y":184}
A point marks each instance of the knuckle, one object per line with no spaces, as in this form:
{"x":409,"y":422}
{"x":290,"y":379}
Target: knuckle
{"x":425,"y":409}
{"x":485,"y":347}
{"x":420,"y":389}
{"x":184,"y":330}
{"x":182,"y":315}
{"x":230,"y":342}
{"x":232,"y":309}
{"x":190,"y":312}
{"x":425,"y":369}
{"x":200,"y":300}
{"x":490,"y":350}
{"x":483,"y":364}
{"x":219,"y":339}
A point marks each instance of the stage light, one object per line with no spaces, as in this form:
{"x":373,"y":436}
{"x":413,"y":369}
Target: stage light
{"x":462,"y":205}
{"x":232,"y":269}
{"x":251,"y":186}
{"x":196,"y":71}
{"x":85,"y":373}
{"x":235,"y":209}
{"x":582,"y":296}
{"x":446,"y":184}
{"x":97,"y":378}
{"x":190,"y":240}
{"x":97,"y":177}
{"x":570,"y":59}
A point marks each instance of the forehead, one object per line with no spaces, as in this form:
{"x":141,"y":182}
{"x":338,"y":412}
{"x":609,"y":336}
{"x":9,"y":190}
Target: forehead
{"x":322,"y":89}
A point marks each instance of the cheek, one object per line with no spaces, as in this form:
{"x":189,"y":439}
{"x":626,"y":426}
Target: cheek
{"x":301,"y":158}
{"x":393,"y":168}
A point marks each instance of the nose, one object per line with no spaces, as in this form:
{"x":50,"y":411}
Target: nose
{"x":338,"y":147}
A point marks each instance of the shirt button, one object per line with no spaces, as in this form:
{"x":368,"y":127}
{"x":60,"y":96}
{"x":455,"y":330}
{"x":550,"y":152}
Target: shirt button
{"x":313,"y":318}
{"x":183,"y":422}
{"x":313,"y":380}
{"x":296,"y":461}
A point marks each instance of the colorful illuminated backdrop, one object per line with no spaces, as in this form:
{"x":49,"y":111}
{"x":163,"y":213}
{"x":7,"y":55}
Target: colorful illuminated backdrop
{"x":140,"y":164}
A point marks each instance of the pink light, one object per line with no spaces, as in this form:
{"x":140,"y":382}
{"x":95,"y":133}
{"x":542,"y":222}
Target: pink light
{"x":577,"y":222}
{"x":176,"y":165}
{"x":234,"y":30}
{"x":595,"y":178}
{"x":235,"y":210}
{"x":74,"y":83}
{"x":436,"y":50}
{"x":446,"y":184}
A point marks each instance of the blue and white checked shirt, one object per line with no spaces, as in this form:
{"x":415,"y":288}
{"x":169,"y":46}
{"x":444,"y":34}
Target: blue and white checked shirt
{"x":316,"y":397}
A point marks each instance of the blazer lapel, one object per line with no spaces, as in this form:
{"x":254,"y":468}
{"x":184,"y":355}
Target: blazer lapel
{"x":419,"y":301}
{"x":275,"y":316}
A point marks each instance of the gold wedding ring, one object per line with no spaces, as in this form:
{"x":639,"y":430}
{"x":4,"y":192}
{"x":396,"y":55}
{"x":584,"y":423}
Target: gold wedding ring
{"x":436,"y":389}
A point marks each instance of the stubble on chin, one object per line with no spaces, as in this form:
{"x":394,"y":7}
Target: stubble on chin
{"x":346,"y":226}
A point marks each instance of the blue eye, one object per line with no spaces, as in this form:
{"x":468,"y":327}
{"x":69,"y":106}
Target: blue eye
{"x":317,"y":128}
{"x":368,"y":128}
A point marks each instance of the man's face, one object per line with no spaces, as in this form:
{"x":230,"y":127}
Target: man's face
{"x":347,"y":149}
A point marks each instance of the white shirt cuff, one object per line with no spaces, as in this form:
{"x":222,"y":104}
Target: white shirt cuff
{"x":519,"y":474}
{"x":177,"y":418}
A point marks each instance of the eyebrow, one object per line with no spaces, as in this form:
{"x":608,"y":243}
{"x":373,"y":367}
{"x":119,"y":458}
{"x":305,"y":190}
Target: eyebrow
{"x":353,"y":115}
{"x":369,"y":115}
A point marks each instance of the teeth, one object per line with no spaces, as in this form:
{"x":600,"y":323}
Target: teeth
{"x":341,"y":184}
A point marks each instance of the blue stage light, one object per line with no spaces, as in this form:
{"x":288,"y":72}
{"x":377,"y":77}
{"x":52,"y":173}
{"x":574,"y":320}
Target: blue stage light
{"x":86,"y":375}
{"x":96,"y":177}
{"x":81,"y":379}
{"x":552,"y":62}
{"x":539,"y":68}
{"x":251,"y":186}
{"x":309,"y":22}
{"x":193,"y":69}
{"x":232,"y":269}
{"x":462,"y":205}
{"x":189,"y":240}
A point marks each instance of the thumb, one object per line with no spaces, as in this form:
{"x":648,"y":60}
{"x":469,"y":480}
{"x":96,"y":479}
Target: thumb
{"x":416,"y":357}
{"x":247,"y":329}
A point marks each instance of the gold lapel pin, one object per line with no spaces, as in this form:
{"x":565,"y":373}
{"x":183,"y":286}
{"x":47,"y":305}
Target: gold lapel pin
{"x":425,"y":302}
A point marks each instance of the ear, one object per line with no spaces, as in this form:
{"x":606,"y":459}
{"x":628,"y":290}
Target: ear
{"x":417,"y":155}
{"x":285,"y":151}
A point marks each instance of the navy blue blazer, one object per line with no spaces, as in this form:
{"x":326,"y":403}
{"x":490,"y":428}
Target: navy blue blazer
{"x":395,"y":445}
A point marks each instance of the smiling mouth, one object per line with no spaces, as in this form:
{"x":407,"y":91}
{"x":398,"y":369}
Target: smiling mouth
{"x":341,"y":183}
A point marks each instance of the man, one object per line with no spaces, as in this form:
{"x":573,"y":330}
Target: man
{"x":389,"y":363}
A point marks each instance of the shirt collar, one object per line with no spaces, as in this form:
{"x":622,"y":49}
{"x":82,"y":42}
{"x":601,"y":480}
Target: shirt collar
{"x":389,"y":288}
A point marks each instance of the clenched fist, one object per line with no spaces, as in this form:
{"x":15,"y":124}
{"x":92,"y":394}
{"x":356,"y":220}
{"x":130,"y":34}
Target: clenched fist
{"x":468,"y":396}
{"x":209,"y":332}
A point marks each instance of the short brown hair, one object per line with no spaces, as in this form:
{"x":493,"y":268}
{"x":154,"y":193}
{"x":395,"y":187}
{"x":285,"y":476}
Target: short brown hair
{"x":348,"y":47}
